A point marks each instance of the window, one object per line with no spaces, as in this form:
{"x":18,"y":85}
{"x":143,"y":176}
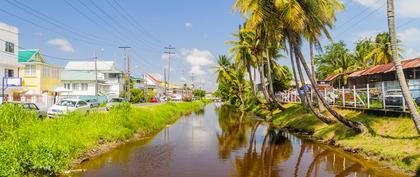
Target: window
{"x":10,"y":47}
{"x":75,"y":86}
{"x":30,"y":70}
{"x":81,"y":103}
{"x":54,"y":73}
{"x":8,"y":73}
{"x":67,"y":86}
{"x":45,"y":71}
{"x":84,"y":86}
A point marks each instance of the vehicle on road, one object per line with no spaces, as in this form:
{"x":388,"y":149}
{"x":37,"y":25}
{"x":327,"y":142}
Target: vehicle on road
{"x":115,"y":101}
{"x":32,"y":107}
{"x":66,"y":106}
{"x":93,"y":103}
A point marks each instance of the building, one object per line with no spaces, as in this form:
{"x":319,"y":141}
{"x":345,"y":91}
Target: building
{"x":80,"y":78}
{"x":38,"y":76}
{"x":39,"y":79}
{"x":9,"y":39}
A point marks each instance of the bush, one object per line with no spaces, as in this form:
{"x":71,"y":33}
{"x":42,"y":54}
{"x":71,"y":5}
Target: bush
{"x":31,"y":146}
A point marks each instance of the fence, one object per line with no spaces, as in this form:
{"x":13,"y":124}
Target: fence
{"x":375,"y":97}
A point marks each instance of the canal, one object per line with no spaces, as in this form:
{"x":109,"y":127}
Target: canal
{"x":218,"y":142}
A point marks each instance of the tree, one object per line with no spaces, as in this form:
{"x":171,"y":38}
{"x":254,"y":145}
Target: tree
{"x":199,"y":93}
{"x":242,"y":49}
{"x":336,"y":60}
{"x":381,"y":52}
{"x":398,"y":67}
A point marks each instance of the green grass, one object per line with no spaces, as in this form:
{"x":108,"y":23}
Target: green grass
{"x":390,"y":139}
{"x":30,"y":146}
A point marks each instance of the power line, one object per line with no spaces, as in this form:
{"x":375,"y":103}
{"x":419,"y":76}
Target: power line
{"x":361,"y":20}
{"x":54,"y":22}
{"x":130,"y":17}
{"x":45,"y":55}
{"x":356,"y":16}
{"x":48,"y":29}
{"x":129,"y":20}
{"x":118,"y":23}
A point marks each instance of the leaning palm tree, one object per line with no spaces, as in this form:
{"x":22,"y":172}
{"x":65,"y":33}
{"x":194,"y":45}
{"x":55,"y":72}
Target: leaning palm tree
{"x":398,"y":67}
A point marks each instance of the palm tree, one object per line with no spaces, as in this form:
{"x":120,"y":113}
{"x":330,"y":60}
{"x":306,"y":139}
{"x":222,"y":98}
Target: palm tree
{"x":291,"y":20}
{"x":381,"y":52}
{"x":243,"y":54}
{"x":398,"y":67}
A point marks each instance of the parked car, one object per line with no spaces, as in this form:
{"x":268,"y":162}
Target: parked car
{"x":393,"y":98}
{"x":115,"y":101}
{"x":176,"y":97}
{"x":66,"y":106}
{"x":93,"y":103}
{"x":33,"y":107}
{"x":153,"y":100}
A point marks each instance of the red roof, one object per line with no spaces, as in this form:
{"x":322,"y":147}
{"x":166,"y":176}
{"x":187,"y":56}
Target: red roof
{"x":332,"y":77}
{"x":386,"y":68}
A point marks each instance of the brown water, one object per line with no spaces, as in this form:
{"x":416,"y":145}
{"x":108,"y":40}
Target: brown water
{"x":218,"y":142}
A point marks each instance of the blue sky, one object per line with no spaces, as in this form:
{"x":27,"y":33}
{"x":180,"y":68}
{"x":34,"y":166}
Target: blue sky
{"x":198,"y":30}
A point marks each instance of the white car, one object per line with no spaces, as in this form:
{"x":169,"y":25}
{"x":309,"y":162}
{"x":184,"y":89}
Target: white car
{"x":66,"y":106}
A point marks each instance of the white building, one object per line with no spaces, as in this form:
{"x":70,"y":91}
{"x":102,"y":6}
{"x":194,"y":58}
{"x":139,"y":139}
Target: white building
{"x":9,"y":40}
{"x":79,"y":77}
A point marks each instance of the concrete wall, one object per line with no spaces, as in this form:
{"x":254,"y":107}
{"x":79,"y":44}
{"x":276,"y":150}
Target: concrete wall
{"x":8,"y":60}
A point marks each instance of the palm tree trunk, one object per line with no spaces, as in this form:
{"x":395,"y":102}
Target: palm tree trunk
{"x":356,"y":126}
{"x":292,"y":60}
{"x":248,"y":68}
{"x":398,"y":67}
{"x":311,"y":51}
{"x":263,"y":83}
{"x":269,"y":75}
{"x":321,"y":117}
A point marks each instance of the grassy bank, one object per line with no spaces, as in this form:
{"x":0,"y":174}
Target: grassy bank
{"x":390,"y":139}
{"x":32,"y":146}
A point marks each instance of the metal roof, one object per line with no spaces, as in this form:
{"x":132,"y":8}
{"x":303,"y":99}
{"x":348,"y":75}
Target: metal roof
{"x":77,"y":76}
{"x":386,"y":68}
{"x":90,"y":66}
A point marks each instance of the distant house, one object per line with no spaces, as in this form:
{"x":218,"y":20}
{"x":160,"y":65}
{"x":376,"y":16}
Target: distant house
{"x":79,"y":77}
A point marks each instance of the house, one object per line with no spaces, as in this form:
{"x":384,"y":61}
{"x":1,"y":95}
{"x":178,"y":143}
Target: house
{"x":384,"y":75}
{"x":80,"y":78}
{"x":10,"y":85}
{"x":39,"y":79}
{"x":38,"y":76}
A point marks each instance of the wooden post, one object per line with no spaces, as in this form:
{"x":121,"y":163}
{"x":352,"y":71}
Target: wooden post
{"x":343,"y":94}
{"x":325,"y":93}
{"x":383,"y":95}
{"x":354,"y":96}
{"x":403,"y":102}
{"x":333,"y":95}
{"x":368,"y":95}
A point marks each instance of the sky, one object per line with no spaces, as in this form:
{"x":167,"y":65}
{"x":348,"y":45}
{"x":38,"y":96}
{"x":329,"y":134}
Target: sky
{"x":198,"y":30}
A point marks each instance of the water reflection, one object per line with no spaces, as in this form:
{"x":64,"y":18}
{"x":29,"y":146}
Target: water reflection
{"x":223,"y":142}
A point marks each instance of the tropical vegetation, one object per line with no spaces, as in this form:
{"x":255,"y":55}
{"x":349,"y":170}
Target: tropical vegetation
{"x":33,"y":147}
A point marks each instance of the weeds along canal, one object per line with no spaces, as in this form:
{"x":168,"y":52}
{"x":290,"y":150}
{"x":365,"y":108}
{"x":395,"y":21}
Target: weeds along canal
{"x":217,"y":142}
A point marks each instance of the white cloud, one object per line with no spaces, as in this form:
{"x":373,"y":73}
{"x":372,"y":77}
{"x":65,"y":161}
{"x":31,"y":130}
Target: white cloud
{"x":197,"y":59}
{"x":369,"y":3}
{"x":410,"y":35}
{"x":368,"y":35}
{"x":188,"y":24}
{"x":403,"y":8}
{"x":63,"y":44}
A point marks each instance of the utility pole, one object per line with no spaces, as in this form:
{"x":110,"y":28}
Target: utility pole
{"x":96,"y":76}
{"x":127,"y":74}
{"x":145,"y":87}
{"x":164,"y":81}
{"x":169,"y":51}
